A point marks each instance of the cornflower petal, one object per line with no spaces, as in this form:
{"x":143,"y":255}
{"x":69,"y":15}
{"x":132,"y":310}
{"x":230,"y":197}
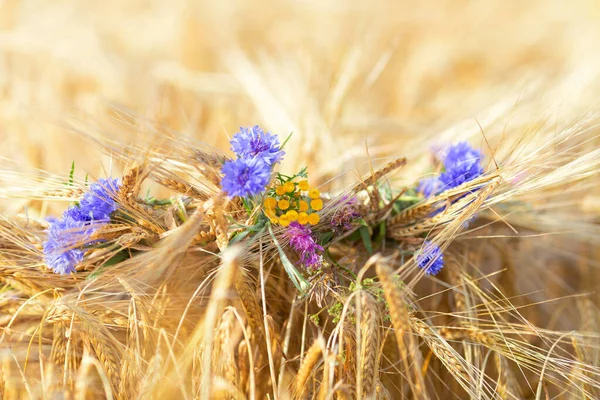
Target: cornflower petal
{"x":245,"y":177}
{"x":430,"y":258}
{"x":60,"y":249}
{"x":98,"y":203}
{"x":66,"y":236}
{"x":430,"y":186}
{"x":462,"y":164}
{"x":254,"y":143}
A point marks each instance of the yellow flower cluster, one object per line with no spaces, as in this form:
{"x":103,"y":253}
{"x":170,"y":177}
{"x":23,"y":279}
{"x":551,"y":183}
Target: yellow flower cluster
{"x":294,"y":201}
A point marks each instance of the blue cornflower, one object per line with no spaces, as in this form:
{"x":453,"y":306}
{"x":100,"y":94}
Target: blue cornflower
{"x":253,"y":142}
{"x":60,"y":249}
{"x":245,"y":176}
{"x":66,"y":236}
{"x":462,"y":163}
{"x":98,"y":203}
{"x":430,"y":186}
{"x":431,"y":258}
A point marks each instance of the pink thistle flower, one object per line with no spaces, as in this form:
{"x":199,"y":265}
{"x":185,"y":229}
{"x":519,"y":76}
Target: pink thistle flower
{"x":303,"y":243}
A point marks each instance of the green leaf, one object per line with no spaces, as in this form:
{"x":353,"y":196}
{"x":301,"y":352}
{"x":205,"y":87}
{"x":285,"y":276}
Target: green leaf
{"x":325,"y":238}
{"x":354,"y":236}
{"x":365,"y":235}
{"x":247,"y":205}
{"x":239,"y":236}
{"x":405,"y":202}
{"x":334,"y":262}
{"x":381,"y":235}
{"x":71,"y":174}
{"x":336,"y":311}
{"x":362,"y":222}
{"x":180,"y":209}
{"x":157,"y":202}
{"x":296,"y":277}
{"x":252,"y":228}
{"x":303,"y":173}
{"x":117,"y":258}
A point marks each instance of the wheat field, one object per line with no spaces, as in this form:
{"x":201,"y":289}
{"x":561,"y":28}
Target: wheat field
{"x":186,"y":292}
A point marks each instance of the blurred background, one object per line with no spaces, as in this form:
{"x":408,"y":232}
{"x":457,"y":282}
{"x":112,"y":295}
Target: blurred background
{"x":400,"y":77}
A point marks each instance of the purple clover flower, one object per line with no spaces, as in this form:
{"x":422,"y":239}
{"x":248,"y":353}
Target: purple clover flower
{"x":431,"y":258}
{"x":304,"y":244}
{"x":77,"y":225}
{"x":254,"y":143}
{"x":344,"y":217}
{"x":245,"y":176}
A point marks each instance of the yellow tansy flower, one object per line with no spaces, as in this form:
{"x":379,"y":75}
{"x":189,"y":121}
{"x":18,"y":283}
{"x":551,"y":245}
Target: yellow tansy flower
{"x":303,"y":218}
{"x":269,"y":212}
{"x":314,"y":219}
{"x":316,"y":204}
{"x":283,"y":204}
{"x":303,"y":206}
{"x":274,"y":220}
{"x":289,"y":187}
{"x":279,"y":190}
{"x":303,"y":185}
{"x":270,"y":202}
{"x":314,"y":194}
{"x":284,"y":220}
{"x":292,"y":215}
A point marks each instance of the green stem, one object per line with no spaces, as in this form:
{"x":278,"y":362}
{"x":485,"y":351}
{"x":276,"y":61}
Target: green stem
{"x":247,"y":206}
